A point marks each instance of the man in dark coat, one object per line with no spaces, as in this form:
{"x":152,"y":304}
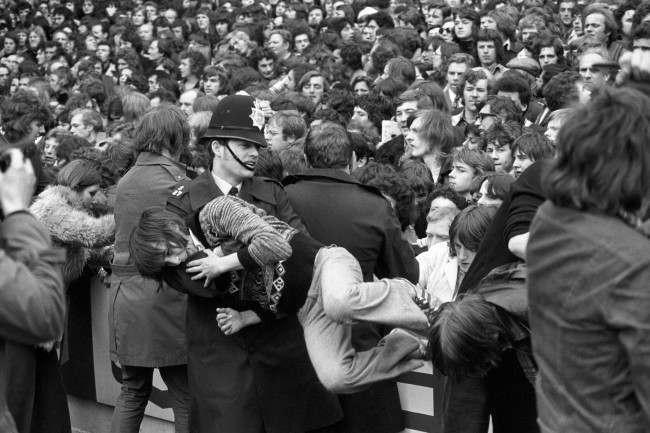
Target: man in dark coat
{"x":336,"y":209}
{"x":32,"y":305}
{"x":259,"y":379}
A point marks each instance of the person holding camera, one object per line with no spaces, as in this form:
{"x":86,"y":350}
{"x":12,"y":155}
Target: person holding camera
{"x":32,"y":301}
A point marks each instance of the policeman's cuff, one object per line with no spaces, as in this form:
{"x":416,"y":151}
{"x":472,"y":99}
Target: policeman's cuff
{"x":246,"y":259}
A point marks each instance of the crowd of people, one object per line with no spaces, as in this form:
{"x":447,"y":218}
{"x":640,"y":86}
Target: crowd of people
{"x":294,"y":203}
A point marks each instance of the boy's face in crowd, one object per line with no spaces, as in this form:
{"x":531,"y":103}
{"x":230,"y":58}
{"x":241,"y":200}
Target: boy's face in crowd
{"x":212,"y":85}
{"x":461,"y":177}
{"x":455,"y":73}
{"x":55,"y":83}
{"x":301,"y":42}
{"x":527,"y":33}
{"x":314,"y":89}
{"x":419,"y":145}
{"x":361,"y":88}
{"x":547,"y":56}
{"x":369,"y":32}
{"x":566,"y":12}
{"x":475,"y":94}
{"x":186,"y":102}
{"x":78,"y":128}
{"x":463,"y":28}
{"x":484,"y":198}
{"x":434,"y":17}
{"x":589,"y":73}
{"x":488,"y":23}
{"x":501,"y":155}
{"x":595,"y":27}
{"x":521,"y":163}
{"x":184,"y":68}
{"x":4,"y":75}
{"x":103,"y":52}
{"x":403,"y":112}
{"x":487,"y":52}
{"x":552,"y":129}
{"x":277,"y":45}
{"x":439,"y":219}
{"x":464,"y":255}
{"x":315,"y":17}
{"x":266,"y":68}
{"x":153,"y":83}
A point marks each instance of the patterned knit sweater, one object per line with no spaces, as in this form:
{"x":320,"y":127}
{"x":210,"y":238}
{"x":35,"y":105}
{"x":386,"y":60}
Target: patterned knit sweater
{"x":266,"y":239}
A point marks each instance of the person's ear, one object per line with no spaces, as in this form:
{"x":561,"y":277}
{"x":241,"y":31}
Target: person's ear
{"x":217,"y":149}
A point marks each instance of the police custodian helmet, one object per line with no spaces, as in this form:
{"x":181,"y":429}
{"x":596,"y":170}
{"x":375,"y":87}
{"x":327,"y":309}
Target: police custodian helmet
{"x":237,"y":116}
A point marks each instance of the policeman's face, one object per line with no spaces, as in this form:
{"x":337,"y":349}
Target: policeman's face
{"x":227,"y":167}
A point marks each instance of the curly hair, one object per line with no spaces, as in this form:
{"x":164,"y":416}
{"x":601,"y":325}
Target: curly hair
{"x":197,"y":62}
{"x":561,"y":91}
{"x":19,"y":112}
{"x":504,"y":134}
{"x":392,"y":185}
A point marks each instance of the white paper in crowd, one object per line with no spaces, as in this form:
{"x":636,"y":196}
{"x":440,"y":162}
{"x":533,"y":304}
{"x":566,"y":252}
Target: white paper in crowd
{"x":389,"y":130}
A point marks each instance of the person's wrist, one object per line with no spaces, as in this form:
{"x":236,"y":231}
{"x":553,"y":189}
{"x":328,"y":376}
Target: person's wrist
{"x":11,"y":208}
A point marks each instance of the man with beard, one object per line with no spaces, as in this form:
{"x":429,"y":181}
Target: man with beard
{"x":260,"y":379}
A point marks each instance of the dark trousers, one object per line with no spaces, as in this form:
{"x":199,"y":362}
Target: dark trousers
{"x":505,"y":394}
{"x":136,"y":389}
{"x":35,"y":394}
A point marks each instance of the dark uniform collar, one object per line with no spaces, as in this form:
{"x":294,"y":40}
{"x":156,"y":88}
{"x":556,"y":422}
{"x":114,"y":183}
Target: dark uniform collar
{"x":203,"y":189}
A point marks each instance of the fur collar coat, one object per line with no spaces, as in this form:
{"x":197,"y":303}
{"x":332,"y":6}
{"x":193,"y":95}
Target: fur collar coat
{"x":72,"y":226}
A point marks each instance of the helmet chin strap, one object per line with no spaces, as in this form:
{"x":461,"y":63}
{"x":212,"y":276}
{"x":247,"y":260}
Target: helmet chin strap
{"x":237,"y":159}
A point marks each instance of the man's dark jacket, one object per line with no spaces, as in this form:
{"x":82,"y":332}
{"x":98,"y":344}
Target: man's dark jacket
{"x":259,"y":379}
{"x":336,"y":209}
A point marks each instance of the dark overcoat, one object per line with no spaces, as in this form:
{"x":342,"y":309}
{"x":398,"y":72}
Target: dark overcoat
{"x":336,"y":209}
{"x":259,"y":379}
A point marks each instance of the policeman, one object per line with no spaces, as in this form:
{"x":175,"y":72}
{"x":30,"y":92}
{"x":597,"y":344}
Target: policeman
{"x":259,"y":379}
{"x":233,"y":138}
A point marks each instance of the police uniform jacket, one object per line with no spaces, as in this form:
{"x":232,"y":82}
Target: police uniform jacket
{"x":259,"y":379}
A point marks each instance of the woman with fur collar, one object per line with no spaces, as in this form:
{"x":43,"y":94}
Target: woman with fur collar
{"x":65,"y":209}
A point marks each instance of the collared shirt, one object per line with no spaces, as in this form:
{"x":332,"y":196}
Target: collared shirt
{"x":224,"y":186}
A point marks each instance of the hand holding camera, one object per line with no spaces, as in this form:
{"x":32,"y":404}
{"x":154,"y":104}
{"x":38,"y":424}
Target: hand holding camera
{"x":17,"y":181}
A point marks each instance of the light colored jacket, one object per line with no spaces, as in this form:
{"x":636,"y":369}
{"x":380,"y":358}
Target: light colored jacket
{"x":438,"y":273}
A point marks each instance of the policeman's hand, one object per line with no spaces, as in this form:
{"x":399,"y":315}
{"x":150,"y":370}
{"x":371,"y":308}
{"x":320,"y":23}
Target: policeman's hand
{"x":17,"y":183}
{"x":208,"y":267}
